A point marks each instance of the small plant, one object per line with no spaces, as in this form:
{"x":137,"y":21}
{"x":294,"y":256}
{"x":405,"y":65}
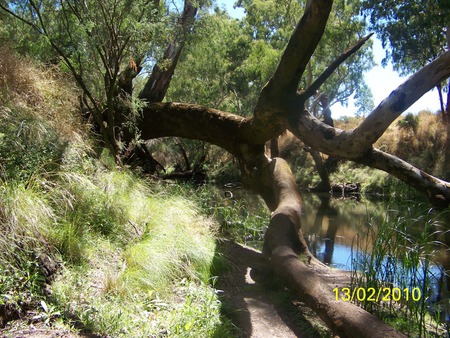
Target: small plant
{"x":409,"y":122}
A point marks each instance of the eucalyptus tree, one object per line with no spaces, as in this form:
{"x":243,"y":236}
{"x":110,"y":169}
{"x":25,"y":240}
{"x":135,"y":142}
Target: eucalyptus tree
{"x":282,"y":105}
{"x":227,"y":61}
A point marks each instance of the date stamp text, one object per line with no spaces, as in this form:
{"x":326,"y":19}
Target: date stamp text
{"x":385,"y":294}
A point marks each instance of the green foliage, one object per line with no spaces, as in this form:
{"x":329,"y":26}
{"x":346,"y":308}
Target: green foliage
{"x":409,"y":122}
{"x":272,"y":22}
{"x":101,"y":44}
{"x":345,"y":26}
{"x":208,"y":70}
{"x":25,"y":218}
{"x":414,"y":30}
{"x":148,"y":253}
{"x":177,"y":242}
{"x":227,"y":62}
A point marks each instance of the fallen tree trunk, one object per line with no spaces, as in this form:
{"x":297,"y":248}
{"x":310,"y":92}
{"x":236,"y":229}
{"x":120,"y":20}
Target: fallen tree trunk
{"x":302,"y":275}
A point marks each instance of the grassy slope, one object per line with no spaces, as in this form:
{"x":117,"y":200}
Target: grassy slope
{"x":423,"y":145}
{"x":85,"y":244}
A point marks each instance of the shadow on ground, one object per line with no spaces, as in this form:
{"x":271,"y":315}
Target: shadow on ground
{"x":260,"y":309}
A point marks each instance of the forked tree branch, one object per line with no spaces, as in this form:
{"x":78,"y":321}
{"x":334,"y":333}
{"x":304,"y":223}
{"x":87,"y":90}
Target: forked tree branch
{"x":296,"y":56}
{"x":355,"y":143}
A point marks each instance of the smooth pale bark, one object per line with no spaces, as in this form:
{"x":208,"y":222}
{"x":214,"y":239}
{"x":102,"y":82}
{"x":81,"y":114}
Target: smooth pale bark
{"x":371,"y":129}
{"x":436,"y":190}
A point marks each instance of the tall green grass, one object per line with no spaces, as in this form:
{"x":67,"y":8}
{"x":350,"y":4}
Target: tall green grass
{"x":402,"y":252}
{"x":131,"y":253}
{"x":132,"y":258}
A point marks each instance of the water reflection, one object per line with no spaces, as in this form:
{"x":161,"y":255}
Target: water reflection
{"x":333,"y":226}
{"x":335,"y":229}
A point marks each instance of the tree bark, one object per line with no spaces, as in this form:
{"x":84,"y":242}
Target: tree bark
{"x":324,"y":185}
{"x":436,"y":190}
{"x":155,"y":88}
{"x":355,"y":143}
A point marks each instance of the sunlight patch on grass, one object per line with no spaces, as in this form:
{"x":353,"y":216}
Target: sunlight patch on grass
{"x":179,"y":243}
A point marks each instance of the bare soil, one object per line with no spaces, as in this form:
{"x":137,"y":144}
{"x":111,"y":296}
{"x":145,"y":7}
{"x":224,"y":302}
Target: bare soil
{"x":264,"y":308}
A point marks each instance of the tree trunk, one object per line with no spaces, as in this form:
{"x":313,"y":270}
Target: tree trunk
{"x":324,"y":185}
{"x":156,"y":87}
{"x":284,"y":240}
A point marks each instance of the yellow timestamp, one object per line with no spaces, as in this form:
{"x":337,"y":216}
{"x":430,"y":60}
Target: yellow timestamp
{"x":376,"y":295}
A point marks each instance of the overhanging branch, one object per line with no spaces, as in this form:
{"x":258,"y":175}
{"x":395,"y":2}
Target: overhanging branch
{"x":296,"y":56}
{"x":355,"y":143}
{"x":192,"y":121}
{"x":371,"y":129}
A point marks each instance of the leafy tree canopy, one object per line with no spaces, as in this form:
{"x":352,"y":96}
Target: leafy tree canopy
{"x":414,"y":31}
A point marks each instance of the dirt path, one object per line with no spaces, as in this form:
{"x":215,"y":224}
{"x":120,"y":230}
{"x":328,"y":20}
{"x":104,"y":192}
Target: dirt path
{"x":266,"y":311}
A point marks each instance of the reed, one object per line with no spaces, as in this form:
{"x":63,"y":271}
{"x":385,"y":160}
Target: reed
{"x":397,"y":259}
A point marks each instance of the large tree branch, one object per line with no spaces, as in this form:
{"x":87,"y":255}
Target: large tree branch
{"x":284,"y":82}
{"x":354,"y":144}
{"x":436,"y":190}
{"x":371,"y":129}
{"x":191,"y":121}
{"x":344,"y":318}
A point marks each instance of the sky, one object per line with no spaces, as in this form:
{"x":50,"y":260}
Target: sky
{"x":381,"y":80}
